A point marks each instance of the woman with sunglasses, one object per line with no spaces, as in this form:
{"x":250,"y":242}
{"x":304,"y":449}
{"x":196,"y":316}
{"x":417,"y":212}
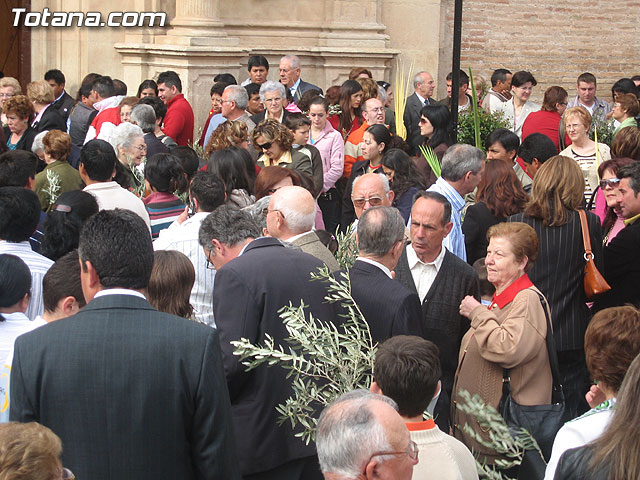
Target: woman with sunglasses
{"x":612,"y":222}
{"x":275,"y":140}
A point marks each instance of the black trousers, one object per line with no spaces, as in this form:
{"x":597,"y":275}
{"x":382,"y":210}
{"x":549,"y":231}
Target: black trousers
{"x":330,"y":204}
{"x":575,"y":382}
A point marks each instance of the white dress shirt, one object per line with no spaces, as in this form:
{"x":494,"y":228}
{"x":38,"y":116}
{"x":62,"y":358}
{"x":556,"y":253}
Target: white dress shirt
{"x":423,"y":274}
{"x":386,"y":271}
{"x":38,"y":266}
{"x":184,"y":239}
{"x":110,"y":196}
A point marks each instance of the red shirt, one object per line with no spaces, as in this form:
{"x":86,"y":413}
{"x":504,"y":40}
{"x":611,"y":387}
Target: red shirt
{"x":178,"y":123}
{"x":546,"y":123}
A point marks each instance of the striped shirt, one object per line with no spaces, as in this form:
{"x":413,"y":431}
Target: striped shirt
{"x":184,"y":238}
{"x":38,"y":266}
{"x":164,"y":209}
{"x":454,"y":242}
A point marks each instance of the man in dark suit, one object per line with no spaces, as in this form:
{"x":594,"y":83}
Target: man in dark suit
{"x":424,"y":86}
{"x":63,"y":102}
{"x":441,"y":280}
{"x":290,"y":77}
{"x":255,"y":278}
{"x":131,"y":392}
{"x":622,"y":255}
{"x":389,"y":307}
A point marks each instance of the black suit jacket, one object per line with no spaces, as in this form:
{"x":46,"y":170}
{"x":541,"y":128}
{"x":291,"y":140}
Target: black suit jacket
{"x":64,"y":105}
{"x":411,"y":120}
{"x":248,"y":293}
{"x":389,"y":307}
{"x":154,"y":145}
{"x":132,"y":392}
{"x":559,"y":274}
{"x":303,"y":87}
{"x":477,"y":222}
{"x":259,"y":117}
{"x":50,"y":120}
{"x":442,"y":322}
{"x":622,"y":269}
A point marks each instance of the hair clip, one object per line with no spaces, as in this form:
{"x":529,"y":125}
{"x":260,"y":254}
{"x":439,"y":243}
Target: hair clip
{"x":62,"y":208}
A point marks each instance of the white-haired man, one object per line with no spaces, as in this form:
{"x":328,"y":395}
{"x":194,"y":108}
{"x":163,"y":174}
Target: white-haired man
{"x":424,"y":87}
{"x":290,"y":77}
{"x":294,"y":216}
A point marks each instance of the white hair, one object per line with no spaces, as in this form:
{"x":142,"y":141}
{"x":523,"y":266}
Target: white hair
{"x":124,"y":135}
{"x":296,"y":220}
{"x":37,"y":144}
{"x":238,"y":95}
{"x":418,"y":79}
{"x":349,"y":433}
{"x":271,"y":86}
{"x":293,"y":60}
{"x":385,"y":182}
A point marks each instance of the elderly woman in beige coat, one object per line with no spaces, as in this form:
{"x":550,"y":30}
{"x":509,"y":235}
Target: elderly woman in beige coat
{"x":510,"y":333}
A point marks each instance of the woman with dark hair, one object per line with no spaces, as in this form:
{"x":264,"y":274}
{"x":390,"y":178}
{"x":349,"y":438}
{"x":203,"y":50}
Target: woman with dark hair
{"x":547,"y":119}
{"x":64,"y":222}
{"x":15,"y":293}
{"x":434,"y":127}
{"x":147,"y":88}
{"x":500,"y":195}
{"x":624,"y":85}
{"x":375,"y":142}
{"x":606,"y":196}
{"x":552,"y":211}
{"x":230,"y":165}
{"x":270,"y":179}
{"x":171,"y":281}
{"x":616,"y":453}
{"x":404,"y":178}
{"x":519,"y":107}
{"x":350,"y":116}
{"x":611,"y":343}
{"x":163,"y":175}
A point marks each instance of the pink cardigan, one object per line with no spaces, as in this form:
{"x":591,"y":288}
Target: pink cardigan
{"x":331,"y":147}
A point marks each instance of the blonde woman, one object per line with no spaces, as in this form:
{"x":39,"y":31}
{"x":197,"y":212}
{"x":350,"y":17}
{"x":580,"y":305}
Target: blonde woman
{"x":41,"y":95}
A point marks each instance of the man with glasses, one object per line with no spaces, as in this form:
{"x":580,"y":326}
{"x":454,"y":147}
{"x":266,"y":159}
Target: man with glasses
{"x":373,"y":113}
{"x":369,"y":428}
{"x":370,"y":190}
{"x":289,"y":70}
{"x":255,"y":278}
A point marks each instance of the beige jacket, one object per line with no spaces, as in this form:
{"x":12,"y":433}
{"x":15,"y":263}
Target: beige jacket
{"x":512,"y":337}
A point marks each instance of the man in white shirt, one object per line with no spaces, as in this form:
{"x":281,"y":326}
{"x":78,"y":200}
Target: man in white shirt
{"x":19,"y":215}
{"x":499,"y":91}
{"x":97,"y":168}
{"x":206,"y":193}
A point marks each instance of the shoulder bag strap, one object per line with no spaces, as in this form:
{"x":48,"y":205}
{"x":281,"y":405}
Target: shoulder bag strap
{"x":557,"y":395}
{"x":586,"y":239}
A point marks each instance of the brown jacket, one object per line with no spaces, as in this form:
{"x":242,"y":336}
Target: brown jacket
{"x":510,"y":337}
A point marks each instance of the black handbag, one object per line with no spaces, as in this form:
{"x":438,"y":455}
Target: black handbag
{"x":541,"y":421}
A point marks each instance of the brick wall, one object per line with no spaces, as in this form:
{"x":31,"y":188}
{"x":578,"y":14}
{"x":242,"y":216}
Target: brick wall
{"x":556,"y":40}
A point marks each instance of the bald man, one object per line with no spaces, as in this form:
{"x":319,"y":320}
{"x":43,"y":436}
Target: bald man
{"x":370,"y":190}
{"x":290,"y":218}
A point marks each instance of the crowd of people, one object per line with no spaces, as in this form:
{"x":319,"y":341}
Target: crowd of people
{"x":136,"y":246}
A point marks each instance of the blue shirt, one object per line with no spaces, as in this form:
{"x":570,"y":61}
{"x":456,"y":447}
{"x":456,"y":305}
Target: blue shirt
{"x":214,"y":123}
{"x":455,"y":240}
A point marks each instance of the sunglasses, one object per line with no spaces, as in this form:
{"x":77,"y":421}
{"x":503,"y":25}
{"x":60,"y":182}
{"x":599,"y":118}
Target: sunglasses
{"x":265,"y":146}
{"x":373,"y":201}
{"x":609,"y":182}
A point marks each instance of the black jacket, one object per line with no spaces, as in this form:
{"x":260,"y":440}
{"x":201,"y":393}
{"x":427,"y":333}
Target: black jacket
{"x":574,"y":465}
{"x":50,"y":120}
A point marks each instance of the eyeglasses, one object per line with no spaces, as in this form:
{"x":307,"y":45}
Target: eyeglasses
{"x":609,"y":182}
{"x":208,"y":265}
{"x":265,"y":146}
{"x":424,"y":121}
{"x":141,"y":148}
{"x":563,"y":103}
{"x":412,"y":450}
{"x":274,"y":210}
{"x":574,"y":126}
{"x":373,"y":201}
